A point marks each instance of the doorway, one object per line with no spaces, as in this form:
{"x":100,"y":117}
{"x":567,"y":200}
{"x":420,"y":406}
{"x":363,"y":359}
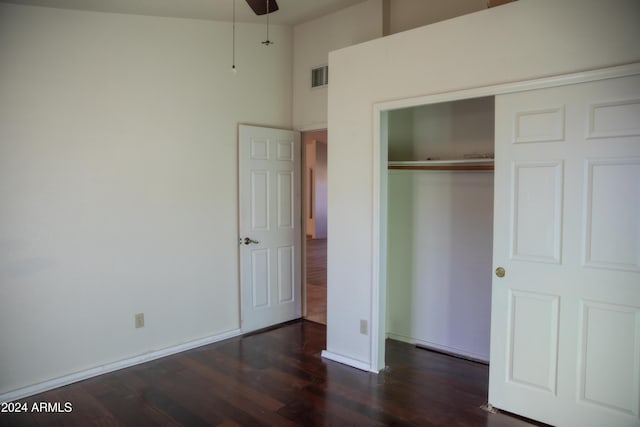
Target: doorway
{"x":315,"y":223}
{"x":440,"y":220}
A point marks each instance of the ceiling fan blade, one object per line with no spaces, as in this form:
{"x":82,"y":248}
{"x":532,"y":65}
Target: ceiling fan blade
{"x":260,"y":6}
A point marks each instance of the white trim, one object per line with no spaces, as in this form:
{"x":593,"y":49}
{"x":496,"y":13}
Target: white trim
{"x":379,"y":190}
{"x":427,"y":345}
{"x":113,"y":366}
{"x":521,"y":86}
{"x":312,"y":127}
{"x":378,"y":236}
{"x":363,"y":366}
{"x":483,"y":162}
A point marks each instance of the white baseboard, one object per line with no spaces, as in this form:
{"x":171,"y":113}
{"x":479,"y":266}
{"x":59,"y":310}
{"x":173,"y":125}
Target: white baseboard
{"x":439,"y":347}
{"x":348,"y":361}
{"x":114,"y":366}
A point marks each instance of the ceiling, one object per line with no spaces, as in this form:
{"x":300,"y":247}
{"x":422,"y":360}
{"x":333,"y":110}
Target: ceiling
{"x":291,"y":12}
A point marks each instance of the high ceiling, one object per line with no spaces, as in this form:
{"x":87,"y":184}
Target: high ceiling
{"x":291,"y":12}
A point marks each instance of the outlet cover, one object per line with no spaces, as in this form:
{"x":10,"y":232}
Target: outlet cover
{"x":364,"y":327}
{"x":139,"y":320}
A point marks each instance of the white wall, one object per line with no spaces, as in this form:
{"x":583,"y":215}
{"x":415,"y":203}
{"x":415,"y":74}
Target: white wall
{"x":312,"y":43}
{"x":118,"y":181}
{"x":523,"y":40}
{"x":443,"y":131}
{"x":405,"y":15}
{"x":439,"y":259}
{"x":362,"y":22}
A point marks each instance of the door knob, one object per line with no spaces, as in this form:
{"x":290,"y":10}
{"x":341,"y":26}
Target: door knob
{"x":500,"y":272}
{"x":248,"y":240}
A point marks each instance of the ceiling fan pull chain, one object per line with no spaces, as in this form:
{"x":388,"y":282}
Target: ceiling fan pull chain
{"x":233,"y":46}
{"x":267,"y":42}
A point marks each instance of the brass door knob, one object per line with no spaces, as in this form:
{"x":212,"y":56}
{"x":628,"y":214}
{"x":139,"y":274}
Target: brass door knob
{"x":500,"y":272}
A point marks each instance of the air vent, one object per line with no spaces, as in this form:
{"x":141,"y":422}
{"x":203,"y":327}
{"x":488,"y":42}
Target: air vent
{"x":320,"y":76}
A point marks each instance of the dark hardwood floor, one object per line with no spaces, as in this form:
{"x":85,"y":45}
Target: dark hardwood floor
{"x":277,"y":378}
{"x":317,"y":262}
{"x":317,"y":280}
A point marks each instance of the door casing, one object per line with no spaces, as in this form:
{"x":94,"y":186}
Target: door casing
{"x":380,"y":149}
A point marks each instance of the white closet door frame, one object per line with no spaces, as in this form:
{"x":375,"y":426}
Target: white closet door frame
{"x":380,"y":149}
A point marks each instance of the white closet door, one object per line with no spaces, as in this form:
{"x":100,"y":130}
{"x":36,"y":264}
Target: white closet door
{"x":565,"y":332}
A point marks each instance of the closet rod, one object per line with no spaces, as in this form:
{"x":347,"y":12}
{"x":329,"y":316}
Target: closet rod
{"x":443,"y":167}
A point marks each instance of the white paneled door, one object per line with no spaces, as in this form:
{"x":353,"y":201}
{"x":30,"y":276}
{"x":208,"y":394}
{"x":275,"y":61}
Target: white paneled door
{"x":270,"y":233}
{"x":565,"y":327}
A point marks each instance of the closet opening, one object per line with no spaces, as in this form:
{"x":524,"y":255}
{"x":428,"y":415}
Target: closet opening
{"x":439,"y":225}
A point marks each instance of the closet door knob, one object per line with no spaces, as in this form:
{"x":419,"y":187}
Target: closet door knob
{"x":500,"y":272}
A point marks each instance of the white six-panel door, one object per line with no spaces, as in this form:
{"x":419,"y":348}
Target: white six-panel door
{"x":565,"y":328}
{"x":270,"y":233}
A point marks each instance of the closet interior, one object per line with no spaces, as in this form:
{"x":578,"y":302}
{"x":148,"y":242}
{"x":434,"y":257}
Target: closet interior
{"x":440,"y":226}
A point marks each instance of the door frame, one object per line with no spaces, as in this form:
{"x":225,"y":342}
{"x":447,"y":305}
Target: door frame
{"x":380,"y":178}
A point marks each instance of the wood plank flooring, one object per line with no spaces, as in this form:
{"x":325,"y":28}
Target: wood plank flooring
{"x":317,"y":262}
{"x":277,"y":378}
{"x":317,"y":280}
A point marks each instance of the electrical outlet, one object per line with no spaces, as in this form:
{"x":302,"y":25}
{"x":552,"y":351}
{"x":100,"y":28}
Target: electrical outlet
{"x":364,"y":327}
{"x":139,"y":320}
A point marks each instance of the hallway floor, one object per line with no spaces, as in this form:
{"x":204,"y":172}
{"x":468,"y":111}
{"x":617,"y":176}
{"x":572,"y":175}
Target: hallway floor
{"x":317,"y":280}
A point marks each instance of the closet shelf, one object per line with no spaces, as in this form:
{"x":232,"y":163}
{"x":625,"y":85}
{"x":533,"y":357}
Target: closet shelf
{"x":465,"y":164}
